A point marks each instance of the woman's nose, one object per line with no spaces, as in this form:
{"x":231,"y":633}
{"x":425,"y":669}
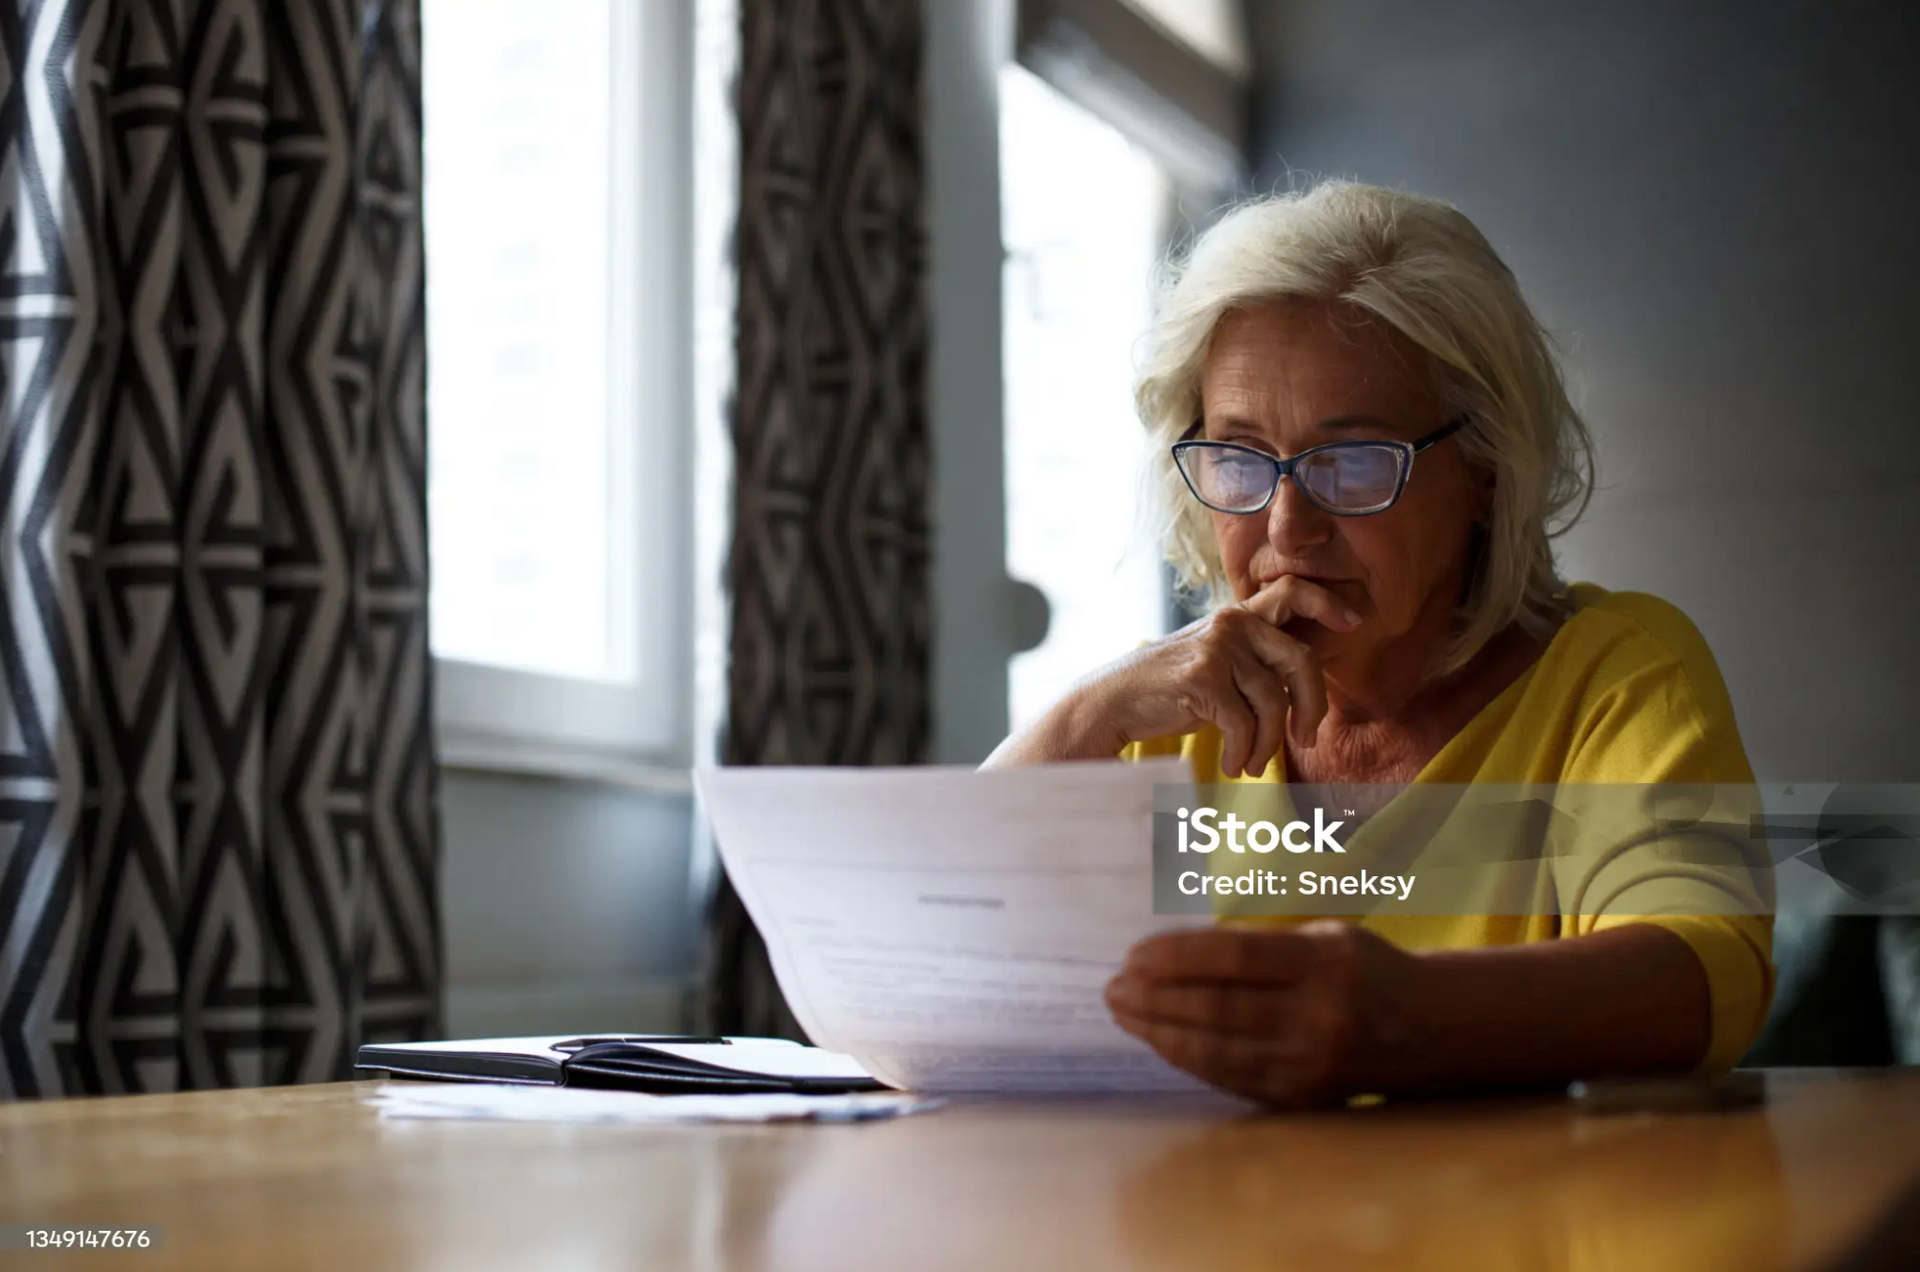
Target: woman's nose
{"x":1295,"y":521}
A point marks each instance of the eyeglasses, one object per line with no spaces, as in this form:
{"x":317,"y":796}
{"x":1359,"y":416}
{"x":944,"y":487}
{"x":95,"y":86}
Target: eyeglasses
{"x":1347,"y":479}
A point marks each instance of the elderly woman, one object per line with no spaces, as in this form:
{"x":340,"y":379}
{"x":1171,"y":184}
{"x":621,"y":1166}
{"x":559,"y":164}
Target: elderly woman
{"x":1365,"y":443}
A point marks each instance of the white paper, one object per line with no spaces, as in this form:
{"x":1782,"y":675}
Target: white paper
{"x":953,"y":930}
{"x":494,"y":1102}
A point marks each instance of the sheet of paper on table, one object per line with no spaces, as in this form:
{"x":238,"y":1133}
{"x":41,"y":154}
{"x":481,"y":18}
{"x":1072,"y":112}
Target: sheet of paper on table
{"x":527,"y":1102}
{"x":953,"y":930}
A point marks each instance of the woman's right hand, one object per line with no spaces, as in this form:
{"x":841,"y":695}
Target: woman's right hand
{"x":1235,"y":669}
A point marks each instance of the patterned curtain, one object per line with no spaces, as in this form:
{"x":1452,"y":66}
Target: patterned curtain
{"x":217,"y":787}
{"x":827,"y":574}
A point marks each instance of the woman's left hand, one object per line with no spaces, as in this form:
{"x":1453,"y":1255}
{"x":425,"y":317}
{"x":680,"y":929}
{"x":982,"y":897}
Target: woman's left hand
{"x":1291,"y":1017}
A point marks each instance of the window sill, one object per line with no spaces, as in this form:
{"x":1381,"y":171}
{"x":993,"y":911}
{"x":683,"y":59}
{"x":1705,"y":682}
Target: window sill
{"x":495,"y":757}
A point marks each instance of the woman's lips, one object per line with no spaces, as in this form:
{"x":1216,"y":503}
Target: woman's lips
{"x":1328,"y":582}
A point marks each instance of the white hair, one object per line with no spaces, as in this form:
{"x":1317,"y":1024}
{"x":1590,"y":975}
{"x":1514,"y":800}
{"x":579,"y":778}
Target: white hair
{"x":1421,"y":267}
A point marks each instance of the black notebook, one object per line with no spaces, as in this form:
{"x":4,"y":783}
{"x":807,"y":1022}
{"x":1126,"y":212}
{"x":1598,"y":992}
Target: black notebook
{"x":660,"y":1064}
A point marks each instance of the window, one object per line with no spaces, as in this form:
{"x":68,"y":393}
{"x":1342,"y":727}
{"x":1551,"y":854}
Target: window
{"x":554,"y":158}
{"x":1214,"y":29}
{"x":1084,"y":222}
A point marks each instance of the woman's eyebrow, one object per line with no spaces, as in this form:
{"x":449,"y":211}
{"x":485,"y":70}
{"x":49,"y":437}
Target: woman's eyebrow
{"x":1333,"y":424}
{"x":1343,"y":422}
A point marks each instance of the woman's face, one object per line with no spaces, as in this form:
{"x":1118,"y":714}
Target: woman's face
{"x":1285,"y":377}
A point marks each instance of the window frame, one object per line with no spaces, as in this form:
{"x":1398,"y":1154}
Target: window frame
{"x":501,"y":718}
{"x":1193,"y":114}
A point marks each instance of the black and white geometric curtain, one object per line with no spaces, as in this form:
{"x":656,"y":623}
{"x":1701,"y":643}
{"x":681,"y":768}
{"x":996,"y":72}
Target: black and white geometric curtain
{"x":827,"y":570}
{"x":218,"y":830}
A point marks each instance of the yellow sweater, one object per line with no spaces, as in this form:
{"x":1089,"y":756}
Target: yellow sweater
{"x":1626,"y":692}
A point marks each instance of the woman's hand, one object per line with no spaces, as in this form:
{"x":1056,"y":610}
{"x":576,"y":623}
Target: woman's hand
{"x":1234,"y":669}
{"x":1292,"y":1017}
{"x":1300,"y":1016}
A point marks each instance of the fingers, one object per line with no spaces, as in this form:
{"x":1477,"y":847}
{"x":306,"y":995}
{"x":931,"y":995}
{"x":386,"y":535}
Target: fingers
{"x":1285,"y":598}
{"x":1199,"y":1050}
{"x":1270,"y":1069}
{"x":1240,"y":956}
{"x":1266,"y":693}
{"x":1291,"y":596}
{"x":1227,"y":1009}
{"x":1238,"y":671}
{"x":1222,"y":704}
{"x":1246,"y":699}
{"x":1290,"y":1016}
{"x":1277,"y":677}
{"x":1299,"y":668}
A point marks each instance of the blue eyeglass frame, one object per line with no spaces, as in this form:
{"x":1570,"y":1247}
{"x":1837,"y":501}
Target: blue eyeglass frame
{"x":1283,"y":468}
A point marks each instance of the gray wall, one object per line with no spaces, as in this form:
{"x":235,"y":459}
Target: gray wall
{"x":1713,"y":207}
{"x":566,"y":906}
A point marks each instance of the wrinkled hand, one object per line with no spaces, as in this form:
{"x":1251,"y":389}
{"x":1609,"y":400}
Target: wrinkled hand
{"x":1289,"y":1017}
{"x":1235,"y":669}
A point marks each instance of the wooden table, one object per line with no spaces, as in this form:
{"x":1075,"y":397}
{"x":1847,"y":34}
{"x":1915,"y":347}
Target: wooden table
{"x":308,"y":1177}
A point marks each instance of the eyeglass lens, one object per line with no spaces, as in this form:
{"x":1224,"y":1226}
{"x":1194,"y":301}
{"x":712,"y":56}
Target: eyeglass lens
{"x":1344,"y":479}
